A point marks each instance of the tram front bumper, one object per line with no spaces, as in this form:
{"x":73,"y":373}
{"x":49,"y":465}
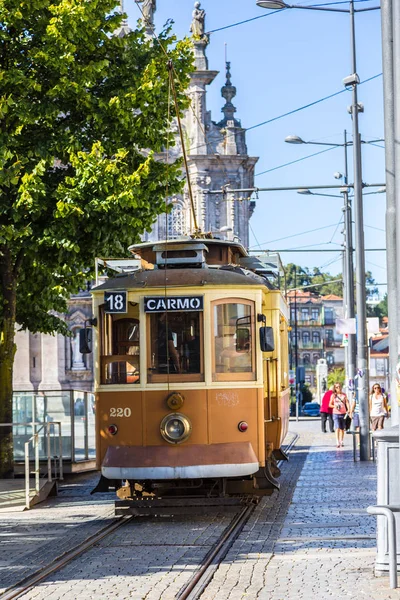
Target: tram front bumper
{"x":192,"y":461}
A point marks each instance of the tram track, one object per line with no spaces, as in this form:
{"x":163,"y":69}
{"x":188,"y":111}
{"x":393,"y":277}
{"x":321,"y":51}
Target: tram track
{"x":25,"y":585}
{"x":200,"y":580}
{"x":196,"y":585}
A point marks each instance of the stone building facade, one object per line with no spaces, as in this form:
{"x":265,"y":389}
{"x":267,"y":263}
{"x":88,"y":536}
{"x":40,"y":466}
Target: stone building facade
{"x":217,"y":157}
{"x":313,"y":317}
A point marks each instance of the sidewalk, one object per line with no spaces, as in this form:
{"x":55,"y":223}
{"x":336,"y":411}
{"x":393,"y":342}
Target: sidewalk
{"x":317,"y":544}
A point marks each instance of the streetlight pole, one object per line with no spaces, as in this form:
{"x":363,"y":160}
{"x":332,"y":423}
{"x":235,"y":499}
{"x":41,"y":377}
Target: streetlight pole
{"x":391,"y":242}
{"x":361,"y":299}
{"x":348,"y":273}
{"x":296,"y":352}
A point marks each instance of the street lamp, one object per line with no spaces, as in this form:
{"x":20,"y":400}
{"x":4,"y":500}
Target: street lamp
{"x":352,"y":82}
{"x":310,"y":193}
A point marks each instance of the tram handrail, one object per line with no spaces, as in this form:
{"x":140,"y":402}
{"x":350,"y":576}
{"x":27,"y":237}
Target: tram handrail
{"x":34,"y":440}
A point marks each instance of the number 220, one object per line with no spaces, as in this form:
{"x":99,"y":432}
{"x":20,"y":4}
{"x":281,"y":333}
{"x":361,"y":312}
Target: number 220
{"x":120,"y":412}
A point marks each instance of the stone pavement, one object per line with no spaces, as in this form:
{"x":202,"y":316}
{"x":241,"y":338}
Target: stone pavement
{"x":312,"y":540}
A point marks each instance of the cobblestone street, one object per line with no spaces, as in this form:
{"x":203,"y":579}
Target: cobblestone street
{"x":312,"y":540}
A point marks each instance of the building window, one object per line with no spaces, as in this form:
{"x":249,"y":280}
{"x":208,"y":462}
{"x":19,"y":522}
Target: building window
{"x":306,"y":359}
{"x":330,"y":359}
{"x":329,"y":334}
{"x":177,"y":220}
{"x":315,"y":359}
{"x":316,"y":337}
{"x":329,"y":316}
{"x":306,"y":337}
{"x":304,"y":314}
{"x":315,"y":314}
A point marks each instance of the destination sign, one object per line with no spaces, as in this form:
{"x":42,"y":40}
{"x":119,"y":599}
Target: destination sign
{"x":157,"y":304}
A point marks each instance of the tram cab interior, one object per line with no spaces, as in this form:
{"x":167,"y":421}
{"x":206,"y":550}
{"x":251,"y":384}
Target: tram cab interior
{"x":192,"y":373}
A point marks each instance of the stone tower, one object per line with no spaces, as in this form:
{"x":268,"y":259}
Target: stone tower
{"x":217,"y":157}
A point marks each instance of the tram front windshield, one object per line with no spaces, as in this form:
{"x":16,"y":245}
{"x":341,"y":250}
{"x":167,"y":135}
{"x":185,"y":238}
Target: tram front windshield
{"x":175,"y":343}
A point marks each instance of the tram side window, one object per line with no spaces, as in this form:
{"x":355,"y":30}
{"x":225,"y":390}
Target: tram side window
{"x":234,"y":350}
{"x":120,"y":347}
{"x":175,"y":346}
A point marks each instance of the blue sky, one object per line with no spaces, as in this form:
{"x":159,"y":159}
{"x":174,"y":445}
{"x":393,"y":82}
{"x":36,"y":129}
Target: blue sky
{"x":280,"y":63}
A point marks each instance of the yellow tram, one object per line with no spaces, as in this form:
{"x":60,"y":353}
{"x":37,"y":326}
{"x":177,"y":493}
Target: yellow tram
{"x":191,"y":370}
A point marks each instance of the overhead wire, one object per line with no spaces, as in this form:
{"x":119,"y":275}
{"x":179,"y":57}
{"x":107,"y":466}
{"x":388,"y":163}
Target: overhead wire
{"x":337,"y":227}
{"x":287,"y":237}
{"x":292,"y":162}
{"x":331,"y":262}
{"x":280,"y":10}
{"x":292,"y":112}
{"x":254,"y":235}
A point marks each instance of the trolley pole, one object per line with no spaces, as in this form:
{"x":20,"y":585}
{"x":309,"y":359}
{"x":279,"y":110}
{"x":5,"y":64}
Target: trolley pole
{"x":362,"y":361}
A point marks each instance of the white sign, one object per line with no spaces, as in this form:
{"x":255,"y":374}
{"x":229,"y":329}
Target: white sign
{"x":346,"y":326}
{"x":372,"y":326}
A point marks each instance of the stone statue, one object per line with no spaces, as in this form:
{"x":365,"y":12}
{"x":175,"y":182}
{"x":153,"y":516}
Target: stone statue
{"x":148,"y":9}
{"x":197,"y":26}
{"x":77,"y":358}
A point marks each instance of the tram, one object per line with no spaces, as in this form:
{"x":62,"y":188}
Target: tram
{"x":191,"y":371}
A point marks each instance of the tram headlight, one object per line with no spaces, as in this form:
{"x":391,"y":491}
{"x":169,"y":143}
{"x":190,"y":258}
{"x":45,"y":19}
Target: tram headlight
{"x":175,"y":428}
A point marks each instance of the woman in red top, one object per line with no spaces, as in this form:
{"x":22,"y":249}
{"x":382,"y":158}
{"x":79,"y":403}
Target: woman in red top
{"x":326,"y":411}
{"x":340,"y":406}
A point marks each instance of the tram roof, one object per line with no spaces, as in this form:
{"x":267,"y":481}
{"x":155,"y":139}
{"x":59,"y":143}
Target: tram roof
{"x":142,"y":279}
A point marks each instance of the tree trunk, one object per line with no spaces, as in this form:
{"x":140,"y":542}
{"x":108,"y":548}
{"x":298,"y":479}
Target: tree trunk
{"x":7,"y":352}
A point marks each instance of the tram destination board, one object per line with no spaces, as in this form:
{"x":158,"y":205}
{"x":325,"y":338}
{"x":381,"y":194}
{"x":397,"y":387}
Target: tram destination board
{"x":115,"y":302}
{"x":155,"y":304}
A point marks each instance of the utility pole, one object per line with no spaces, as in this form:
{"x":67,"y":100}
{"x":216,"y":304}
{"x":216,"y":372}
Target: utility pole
{"x":348,"y":275}
{"x":362,"y":361}
{"x":296,"y":355}
{"x":391,"y":224}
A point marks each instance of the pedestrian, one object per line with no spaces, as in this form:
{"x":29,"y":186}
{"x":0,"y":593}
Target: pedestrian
{"x":326,"y":411}
{"x":340,"y":406}
{"x":378,"y":408}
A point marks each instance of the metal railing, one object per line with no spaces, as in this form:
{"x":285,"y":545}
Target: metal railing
{"x":73,"y":408}
{"x":388,"y":512}
{"x":34,"y":441}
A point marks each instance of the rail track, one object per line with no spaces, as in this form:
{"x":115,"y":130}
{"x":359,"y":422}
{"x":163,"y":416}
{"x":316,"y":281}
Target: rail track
{"x":30,"y":582}
{"x":199,"y":581}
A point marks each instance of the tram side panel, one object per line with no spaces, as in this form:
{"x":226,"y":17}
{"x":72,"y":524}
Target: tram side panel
{"x":275,"y":374}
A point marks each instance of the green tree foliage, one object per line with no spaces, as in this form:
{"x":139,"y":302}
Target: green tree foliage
{"x":322,"y":283}
{"x":336,"y":376}
{"x":77,"y":106}
{"x":378,"y":310}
